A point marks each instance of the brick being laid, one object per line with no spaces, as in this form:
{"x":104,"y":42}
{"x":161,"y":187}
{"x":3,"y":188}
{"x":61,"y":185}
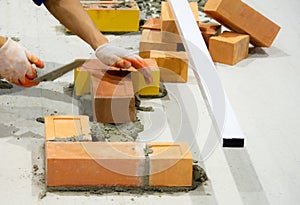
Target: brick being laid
{"x":112,"y":95}
{"x":241,"y":18}
{"x":229,"y":47}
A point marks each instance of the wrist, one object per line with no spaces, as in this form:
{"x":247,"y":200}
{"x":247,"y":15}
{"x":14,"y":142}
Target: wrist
{"x":100,"y":41}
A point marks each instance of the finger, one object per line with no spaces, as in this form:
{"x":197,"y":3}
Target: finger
{"x":31,"y":73}
{"x":123,"y":64}
{"x":142,"y":67}
{"x":34,"y":60}
{"x":27,"y":83}
{"x":137,"y":62}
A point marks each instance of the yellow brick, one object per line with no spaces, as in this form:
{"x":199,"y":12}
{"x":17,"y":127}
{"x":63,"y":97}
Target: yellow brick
{"x":140,"y":86}
{"x":111,"y":19}
{"x":81,"y":82}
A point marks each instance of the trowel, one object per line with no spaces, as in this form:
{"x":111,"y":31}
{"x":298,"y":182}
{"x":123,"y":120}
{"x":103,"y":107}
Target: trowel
{"x":60,"y":71}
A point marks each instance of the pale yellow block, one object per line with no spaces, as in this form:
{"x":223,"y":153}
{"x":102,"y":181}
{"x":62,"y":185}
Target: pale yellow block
{"x":81,"y":82}
{"x":140,"y":86}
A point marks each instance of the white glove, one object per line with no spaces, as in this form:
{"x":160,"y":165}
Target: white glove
{"x":115,"y":56}
{"x":15,"y":64}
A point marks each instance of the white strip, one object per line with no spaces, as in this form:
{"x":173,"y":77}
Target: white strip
{"x":221,"y":112}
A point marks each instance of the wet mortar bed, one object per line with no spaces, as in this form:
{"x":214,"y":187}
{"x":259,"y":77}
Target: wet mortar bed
{"x":199,"y":178}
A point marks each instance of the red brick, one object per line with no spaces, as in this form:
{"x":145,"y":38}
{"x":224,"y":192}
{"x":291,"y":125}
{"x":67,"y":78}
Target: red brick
{"x":241,"y":18}
{"x":167,"y":19}
{"x":152,"y":40}
{"x":229,"y":48}
{"x":173,"y":65}
{"x":64,"y":126}
{"x":171,"y":164}
{"x":152,"y":24}
{"x":112,"y":95}
{"x":208,"y":30}
{"x":94,"y":164}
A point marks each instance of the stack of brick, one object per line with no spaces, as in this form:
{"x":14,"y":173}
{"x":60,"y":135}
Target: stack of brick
{"x":160,"y":41}
{"x":245,"y":24}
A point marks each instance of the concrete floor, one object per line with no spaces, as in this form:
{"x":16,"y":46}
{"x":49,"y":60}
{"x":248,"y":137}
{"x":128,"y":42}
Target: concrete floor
{"x":262,"y":89}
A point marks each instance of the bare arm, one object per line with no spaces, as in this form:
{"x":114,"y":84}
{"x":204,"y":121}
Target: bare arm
{"x":72,"y":15}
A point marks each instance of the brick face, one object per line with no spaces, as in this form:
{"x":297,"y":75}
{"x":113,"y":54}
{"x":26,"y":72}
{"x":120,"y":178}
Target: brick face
{"x":171,"y":164}
{"x":241,"y":18}
{"x":64,"y":126}
{"x":152,"y":40}
{"x":167,"y":19}
{"x":173,"y":65}
{"x":112,"y":95}
{"x":229,"y":48}
{"x":94,"y":164}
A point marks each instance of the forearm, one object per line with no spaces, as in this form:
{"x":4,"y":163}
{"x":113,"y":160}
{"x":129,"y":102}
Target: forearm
{"x":2,"y":41}
{"x":72,"y":15}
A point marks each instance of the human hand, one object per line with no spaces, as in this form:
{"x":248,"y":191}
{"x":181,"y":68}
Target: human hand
{"x":121,"y":58}
{"x":16,"y":64}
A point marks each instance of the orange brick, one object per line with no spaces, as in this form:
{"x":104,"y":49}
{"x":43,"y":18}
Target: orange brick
{"x":229,"y":48}
{"x":241,"y":18}
{"x":113,"y":95}
{"x":173,"y":65}
{"x":152,"y":24}
{"x":167,"y":19}
{"x":152,"y":40}
{"x":94,"y":164}
{"x":208,"y":30}
{"x":171,"y":164}
{"x":64,"y":126}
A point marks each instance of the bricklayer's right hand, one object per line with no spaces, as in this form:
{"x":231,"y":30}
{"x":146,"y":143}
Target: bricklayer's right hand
{"x":119,"y":57}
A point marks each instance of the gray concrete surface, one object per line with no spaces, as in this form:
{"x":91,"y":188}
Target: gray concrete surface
{"x":263,"y":90}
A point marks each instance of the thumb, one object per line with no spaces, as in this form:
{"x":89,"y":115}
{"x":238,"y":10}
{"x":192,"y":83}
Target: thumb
{"x":34,"y":60}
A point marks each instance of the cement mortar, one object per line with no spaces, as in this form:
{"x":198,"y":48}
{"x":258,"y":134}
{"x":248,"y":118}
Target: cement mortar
{"x":127,"y":132}
{"x":197,"y":171}
{"x":77,"y":138}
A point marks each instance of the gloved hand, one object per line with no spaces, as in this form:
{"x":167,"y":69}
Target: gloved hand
{"x":16,"y":64}
{"x":121,"y":58}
